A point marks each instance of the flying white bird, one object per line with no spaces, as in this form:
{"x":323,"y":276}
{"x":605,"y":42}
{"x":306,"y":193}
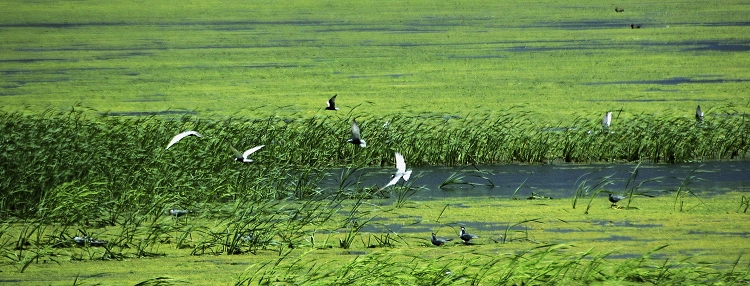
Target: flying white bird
{"x":243,"y":157}
{"x":356,"y":138}
{"x":332,"y":103}
{"x":401,"y":171}
{"x":607,"y":120}
{"x":179,"y":137}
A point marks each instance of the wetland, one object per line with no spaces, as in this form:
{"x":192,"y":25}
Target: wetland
{"x":495,"y":106}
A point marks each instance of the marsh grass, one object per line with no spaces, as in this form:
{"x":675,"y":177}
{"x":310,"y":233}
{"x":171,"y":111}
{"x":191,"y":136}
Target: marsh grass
{"x":458,"y":178}
{"x":510,"y":226}
{"x":66,"y":166}
{"x":406,"y":190}
{"x":684,"y":188}
{"x":513,"y":196}
{"x":631,"y":186}
{"x":530,"y":261}
{"x":744,"y":202}
{"x":108,"y":173}
{"x":543,"y":264}
{"x":583,"y":189}
{"x":356,"y":218}
{"x":113,"y":178}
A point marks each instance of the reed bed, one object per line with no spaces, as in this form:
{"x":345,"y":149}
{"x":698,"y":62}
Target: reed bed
{"x":74,"y":172}
{"x":73,"y":161}
{"x":541,"y":265}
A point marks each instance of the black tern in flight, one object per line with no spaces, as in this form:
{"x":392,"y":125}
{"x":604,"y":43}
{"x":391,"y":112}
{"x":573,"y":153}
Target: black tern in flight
{"x":332,"y":104}
{"x":356,"y":137}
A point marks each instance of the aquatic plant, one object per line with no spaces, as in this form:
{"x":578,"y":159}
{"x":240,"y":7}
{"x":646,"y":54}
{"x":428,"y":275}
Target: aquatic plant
{"x":685,"y":188}
{"x":744,"y":202}
{"x":583,"y":189}
{"x":631,"y":187}
{"x":69,"y":160}
{"x":506,"y":234}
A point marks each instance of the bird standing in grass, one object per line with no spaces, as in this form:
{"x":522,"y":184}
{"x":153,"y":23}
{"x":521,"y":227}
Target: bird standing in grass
{"x":439,"y":241}
{"x":607,"y":120}
{"x":179,"y":137}
{"x":699,"y":114}
{"x":401,"y":171}
{"x":82,"y":239}
{"x":356,"y":137}
{"x":465,"y":236}
{"x":244,"y":157}
{"x":178,"y":213}
{"x":332,"y":103}
{"x":614,"y":199}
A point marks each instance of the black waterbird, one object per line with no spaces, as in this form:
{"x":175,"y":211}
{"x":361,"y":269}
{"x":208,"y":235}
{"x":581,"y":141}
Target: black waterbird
{"x":332,"y":103}
{"x":465,"y":236}
{"x":356,"y":137}
{"x":439,"y":241}
{"x":614,"y":199}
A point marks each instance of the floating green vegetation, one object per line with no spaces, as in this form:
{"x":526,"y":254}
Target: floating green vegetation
{"x":85,"y":192}
{"x":552,"y":59}
{"x":331,"y":239}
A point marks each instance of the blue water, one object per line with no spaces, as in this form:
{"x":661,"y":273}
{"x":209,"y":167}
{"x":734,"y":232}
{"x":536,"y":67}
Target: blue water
{"x":562,"y":180}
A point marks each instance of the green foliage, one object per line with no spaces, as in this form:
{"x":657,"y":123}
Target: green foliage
{"x":68,"y":167}
{"x":481,"y":82}
{"x":551,"y":60}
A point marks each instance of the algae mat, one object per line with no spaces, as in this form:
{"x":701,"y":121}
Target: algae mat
{"x":554,"y":59}
{"x":677,"y":235}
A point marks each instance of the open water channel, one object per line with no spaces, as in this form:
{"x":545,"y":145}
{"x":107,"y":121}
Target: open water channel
{"x":562,"y":180}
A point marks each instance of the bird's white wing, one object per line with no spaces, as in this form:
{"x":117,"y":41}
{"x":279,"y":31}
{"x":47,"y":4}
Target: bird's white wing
{"x":393,"y":181}
{"x":250,"y":151}
{"x":607,"y":119}
{"x":355,"y":130}
{"x":179,"y":137}
{"x":400,"y":164}
{"x":407,"y":174}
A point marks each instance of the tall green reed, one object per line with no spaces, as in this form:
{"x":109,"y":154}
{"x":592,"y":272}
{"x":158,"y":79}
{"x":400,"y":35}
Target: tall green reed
{"x":103,"y":158}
